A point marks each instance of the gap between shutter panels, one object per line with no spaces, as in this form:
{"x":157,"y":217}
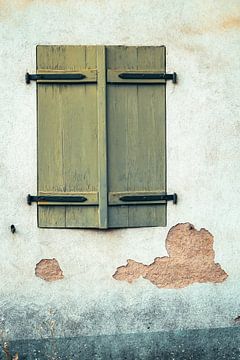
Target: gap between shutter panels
{"x":128,"y":112}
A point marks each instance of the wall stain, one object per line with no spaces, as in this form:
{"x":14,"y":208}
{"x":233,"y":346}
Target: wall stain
{"x":49,"y":270}
{"x":229,"y":23}
{"x":7,"y":8}
{"x":190,"y":260}
{"x":232,"y":22}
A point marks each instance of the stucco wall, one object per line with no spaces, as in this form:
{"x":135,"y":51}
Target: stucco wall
{"x":202,"y":40}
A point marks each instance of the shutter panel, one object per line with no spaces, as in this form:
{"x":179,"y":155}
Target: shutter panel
{"x":68,"y":136}
{"x":136,"y":136}
{"x":101,"y":137}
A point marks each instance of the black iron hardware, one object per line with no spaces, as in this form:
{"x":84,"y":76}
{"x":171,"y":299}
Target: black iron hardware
{"x":149,"y":76}
{"x":13,"y":229}
{"x":133,"y":198}
{"x":55,"y":198}
{"x":53,"y":77}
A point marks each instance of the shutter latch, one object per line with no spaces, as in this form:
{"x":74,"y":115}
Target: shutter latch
{"x":160,"y":197}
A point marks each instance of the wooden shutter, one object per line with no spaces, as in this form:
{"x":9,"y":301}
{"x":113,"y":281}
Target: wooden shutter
{"x":68,"y":136}
{"x":136,"y":136}
{"x":101,"y":137}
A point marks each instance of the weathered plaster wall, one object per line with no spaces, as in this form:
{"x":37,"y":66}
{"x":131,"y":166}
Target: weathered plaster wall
{"x":202,"y":40}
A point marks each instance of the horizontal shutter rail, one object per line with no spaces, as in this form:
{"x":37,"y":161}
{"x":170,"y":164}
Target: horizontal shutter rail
{"x":83,"y":76}
{"x":139,"y":76}
{"x":90,"y":198}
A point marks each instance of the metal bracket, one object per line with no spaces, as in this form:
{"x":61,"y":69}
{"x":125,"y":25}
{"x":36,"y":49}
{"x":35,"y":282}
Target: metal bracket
{"x":159,"y":197}
{"x":149,"y":76}
{"x":53,"y":77}
{"x":55,"y":199}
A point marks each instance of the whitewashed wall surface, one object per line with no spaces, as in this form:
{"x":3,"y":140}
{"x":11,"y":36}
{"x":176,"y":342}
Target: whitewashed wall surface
{"x":202,"y":40}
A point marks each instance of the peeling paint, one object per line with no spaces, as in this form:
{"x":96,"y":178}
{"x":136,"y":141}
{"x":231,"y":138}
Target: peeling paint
{"x":190,"y":260}
{"x":49,"y":270}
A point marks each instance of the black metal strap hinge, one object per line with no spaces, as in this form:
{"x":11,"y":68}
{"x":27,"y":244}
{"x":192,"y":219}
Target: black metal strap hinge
{"x":55,"y":199}
{"x":53,"y":77}
{"x":149,"y":76}
{"x":160,"y":197}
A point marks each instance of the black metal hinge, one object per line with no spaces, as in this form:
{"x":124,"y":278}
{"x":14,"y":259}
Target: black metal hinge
{"x":55,"y":198}
{"x":159,"y":197}
{"x":54,"y":77}
{"x":149,"y":76}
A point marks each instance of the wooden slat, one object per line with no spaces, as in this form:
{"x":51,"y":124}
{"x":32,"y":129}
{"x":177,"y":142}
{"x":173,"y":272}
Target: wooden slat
{"x":119,"y":100}
{"x":81,"y":154}
{"x":148,"y":170}
{"x":102,"y":138}
{"x":50,"y":161}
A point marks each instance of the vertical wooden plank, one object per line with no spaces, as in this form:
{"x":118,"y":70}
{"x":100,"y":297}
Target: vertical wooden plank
{"x":50,"y":143}
{"x":121,"y":105}
{"x":102,"y":138}
{"x":148,"y":171}
{"x":81,"y":143}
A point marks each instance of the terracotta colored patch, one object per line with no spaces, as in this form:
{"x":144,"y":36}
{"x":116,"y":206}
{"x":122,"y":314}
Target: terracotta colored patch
{"x":49,"y":270}
{"x":190,"y":260}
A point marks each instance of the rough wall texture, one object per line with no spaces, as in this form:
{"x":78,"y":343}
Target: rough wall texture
{"x":191,"y":259}
{"x":202,"y":42}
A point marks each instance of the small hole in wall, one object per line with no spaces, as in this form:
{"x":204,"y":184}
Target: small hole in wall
{"x":13,"y":229}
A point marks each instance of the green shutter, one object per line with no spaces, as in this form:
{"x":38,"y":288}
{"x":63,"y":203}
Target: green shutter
{"x":136,"y":136}
{"x":67,"y":137}
{"x":102,"y":137}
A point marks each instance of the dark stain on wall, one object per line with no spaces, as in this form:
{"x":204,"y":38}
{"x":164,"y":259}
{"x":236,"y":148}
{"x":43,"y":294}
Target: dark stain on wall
{"x":190,"y":260}
{"x":49,"y":270}
{"x":204,"y":344}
